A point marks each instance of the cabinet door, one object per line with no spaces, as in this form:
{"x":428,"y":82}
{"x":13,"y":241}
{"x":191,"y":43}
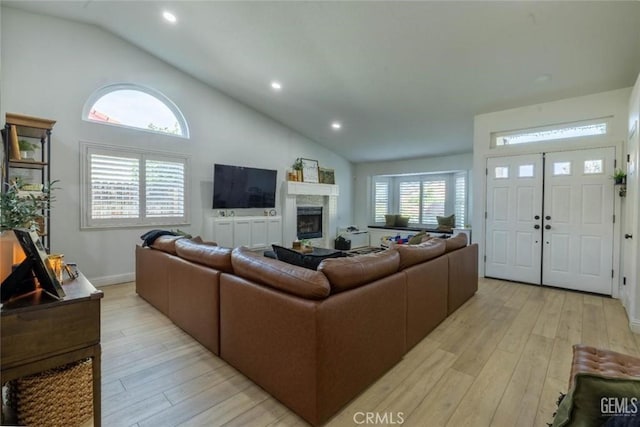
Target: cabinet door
{"x":258,"y":233}
{"x":274,"y":231}
{"x":242,"y":232}
{"x":223,"y":232}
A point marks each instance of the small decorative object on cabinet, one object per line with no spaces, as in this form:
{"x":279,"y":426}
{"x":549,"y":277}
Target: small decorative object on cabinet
{"x":28,"y":134}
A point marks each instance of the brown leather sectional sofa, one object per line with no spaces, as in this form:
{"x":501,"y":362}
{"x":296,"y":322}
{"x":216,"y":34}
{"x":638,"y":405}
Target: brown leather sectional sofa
{"x":312,"y":339}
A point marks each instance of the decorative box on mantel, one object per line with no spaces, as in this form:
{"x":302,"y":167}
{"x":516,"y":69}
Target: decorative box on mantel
{"x":308,"y":194}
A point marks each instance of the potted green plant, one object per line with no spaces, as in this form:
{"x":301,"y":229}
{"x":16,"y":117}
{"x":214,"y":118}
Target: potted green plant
{"x":24,"y":210}
{"x":619,"y":176}
{"x":26,"y":149}
{"x":297,"y":168}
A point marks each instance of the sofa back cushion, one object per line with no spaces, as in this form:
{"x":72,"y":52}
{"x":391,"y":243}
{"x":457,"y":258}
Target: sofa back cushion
{"x":166,"y":243}
{"x":289,"y":278}
{"x":415,"y":254}
{"x":456,"y":242}
{"x":206,"y":254}
{"x":351,"y":272}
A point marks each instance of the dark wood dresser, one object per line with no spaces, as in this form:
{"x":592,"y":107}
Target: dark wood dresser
{"x":40,"y":333}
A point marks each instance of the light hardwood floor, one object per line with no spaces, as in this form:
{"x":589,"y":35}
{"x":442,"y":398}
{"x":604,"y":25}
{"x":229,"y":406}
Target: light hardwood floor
{"x":500,"y":360}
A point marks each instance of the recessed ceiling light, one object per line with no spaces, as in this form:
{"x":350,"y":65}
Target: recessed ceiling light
{"x":336,"y":125}
{"x":276,"y":85}
{"x":169,"y":17}
{"x":543,"y":78}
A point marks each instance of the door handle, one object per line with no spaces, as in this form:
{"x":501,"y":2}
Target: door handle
{"x":547,"y":217}
{"x":536,"y":217}
{"x":547,"y":227}
{"x":628,"y":236}
{"x":537,"y":227}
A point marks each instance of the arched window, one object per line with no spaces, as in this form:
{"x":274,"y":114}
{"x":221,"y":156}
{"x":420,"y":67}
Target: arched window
{"x":135,"y":106}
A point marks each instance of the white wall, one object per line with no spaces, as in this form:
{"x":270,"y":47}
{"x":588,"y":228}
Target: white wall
{"x":51,"y":66}
{"x":606,"y":104}
{"x":365,"y":171}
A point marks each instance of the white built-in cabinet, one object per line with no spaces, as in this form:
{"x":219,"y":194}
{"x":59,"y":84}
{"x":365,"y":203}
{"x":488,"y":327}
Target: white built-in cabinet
{"x":254,"y":232}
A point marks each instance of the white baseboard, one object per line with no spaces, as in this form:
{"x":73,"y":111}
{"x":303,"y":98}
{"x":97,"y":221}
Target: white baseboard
{"x":634,"y":324}
{"x":112,"y":280}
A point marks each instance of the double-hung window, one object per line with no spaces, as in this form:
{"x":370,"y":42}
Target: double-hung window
{"x":129,"y":187}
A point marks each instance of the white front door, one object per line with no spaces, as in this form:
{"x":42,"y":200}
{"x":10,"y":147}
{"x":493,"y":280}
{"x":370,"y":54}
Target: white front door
{"x":513,"y":218}
{"x":578,"y":220}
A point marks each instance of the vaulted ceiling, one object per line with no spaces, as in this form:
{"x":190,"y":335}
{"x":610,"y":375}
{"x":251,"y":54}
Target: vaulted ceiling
{"x":405,"y":79}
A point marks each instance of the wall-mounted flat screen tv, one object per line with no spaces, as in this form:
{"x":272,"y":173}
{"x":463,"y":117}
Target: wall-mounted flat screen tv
{"x":238,"y":187}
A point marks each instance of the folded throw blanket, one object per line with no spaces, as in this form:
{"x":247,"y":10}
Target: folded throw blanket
{"x":150,"y":236}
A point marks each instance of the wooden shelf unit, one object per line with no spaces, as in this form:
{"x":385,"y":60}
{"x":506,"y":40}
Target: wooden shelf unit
{"x":33,"y":128}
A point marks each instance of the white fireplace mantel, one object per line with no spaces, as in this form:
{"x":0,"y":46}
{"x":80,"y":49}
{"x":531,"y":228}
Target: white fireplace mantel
{"x":295,"y":191}
{"x":294,"y":188}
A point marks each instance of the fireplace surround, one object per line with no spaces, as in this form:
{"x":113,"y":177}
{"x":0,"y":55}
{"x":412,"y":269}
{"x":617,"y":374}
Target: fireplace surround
{"x":305,"y":194}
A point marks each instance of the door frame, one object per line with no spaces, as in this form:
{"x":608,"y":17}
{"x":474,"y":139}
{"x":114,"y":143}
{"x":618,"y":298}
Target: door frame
{"x":617,"y":206}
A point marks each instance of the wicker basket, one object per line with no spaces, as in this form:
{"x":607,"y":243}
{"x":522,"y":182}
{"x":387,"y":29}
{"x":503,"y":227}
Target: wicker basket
{"x":58,"y":397}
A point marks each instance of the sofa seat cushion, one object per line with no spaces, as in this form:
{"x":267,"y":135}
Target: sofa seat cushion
{"x":351,"y":272}
{"x":289,"y":278}
{"x":166,"y":243}
{"x":456,"y":242}
{"x":415,"y":254}
{"x":212,"y":256}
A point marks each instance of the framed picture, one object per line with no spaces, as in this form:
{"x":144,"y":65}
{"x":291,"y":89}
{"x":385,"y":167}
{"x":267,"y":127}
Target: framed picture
{"x":310,"y":171}
{"x":327,"y":176}
{"x":20,"y":281}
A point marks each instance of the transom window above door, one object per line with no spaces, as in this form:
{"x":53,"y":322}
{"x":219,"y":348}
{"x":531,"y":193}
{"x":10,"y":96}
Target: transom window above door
{"x":586,"y":128}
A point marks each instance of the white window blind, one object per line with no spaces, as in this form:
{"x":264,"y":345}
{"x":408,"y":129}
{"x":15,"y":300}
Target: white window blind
{"x":165,"y":188}
{"x":409,"y":198}
{"x":460,"y":198}
{"x":115,"y":183}
{"x":434,"y":195}
{"x":381,"y":200}
{"x":127,"y":187}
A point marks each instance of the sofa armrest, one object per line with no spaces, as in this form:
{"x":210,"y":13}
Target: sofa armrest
{"x":152,"y":277}
{"x":463,"y":276}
